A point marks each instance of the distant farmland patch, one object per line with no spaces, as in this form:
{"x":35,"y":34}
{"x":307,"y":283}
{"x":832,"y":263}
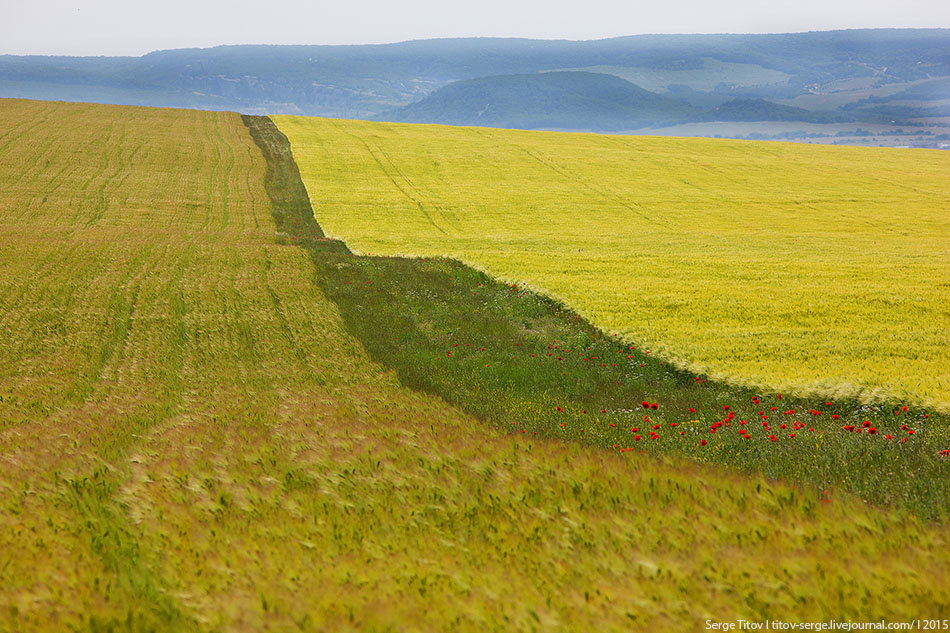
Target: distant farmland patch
{"x":791,"y":267}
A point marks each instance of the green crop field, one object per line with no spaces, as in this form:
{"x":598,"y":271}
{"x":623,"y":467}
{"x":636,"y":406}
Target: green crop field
{"x":797,"y":268}
{"x":192,"y":440}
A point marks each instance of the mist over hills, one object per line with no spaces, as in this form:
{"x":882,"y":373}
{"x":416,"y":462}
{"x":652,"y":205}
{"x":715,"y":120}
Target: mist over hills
{"x":877,"y":76}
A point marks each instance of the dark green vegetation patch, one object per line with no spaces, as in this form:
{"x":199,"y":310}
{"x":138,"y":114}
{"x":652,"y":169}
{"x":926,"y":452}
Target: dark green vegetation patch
{"x":282,"y":181}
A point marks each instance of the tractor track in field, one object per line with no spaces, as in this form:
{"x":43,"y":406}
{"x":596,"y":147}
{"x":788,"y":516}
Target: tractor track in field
{"x":408,"y":189}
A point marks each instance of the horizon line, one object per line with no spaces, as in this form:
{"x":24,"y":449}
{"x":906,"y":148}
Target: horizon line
{"x":478,"y":37}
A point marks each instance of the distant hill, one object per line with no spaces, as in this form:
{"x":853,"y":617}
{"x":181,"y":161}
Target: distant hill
{"x":762,"y":110}
{"x":746,"y":86}
{"x":562,"y":100}
{"x":934,"y":90}
{"x":364,"y":81}
{"x":924,"y":99}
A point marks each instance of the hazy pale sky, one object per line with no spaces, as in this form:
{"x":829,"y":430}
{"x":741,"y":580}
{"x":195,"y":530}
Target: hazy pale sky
{"x":134,"y":27}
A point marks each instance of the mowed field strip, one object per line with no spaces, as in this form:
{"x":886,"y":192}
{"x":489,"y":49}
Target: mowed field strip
{"x":191,"y":441}
{"x":817,"y":270}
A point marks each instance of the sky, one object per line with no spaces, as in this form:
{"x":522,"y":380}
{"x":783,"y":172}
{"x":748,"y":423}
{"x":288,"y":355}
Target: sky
{"x":135,"y":27}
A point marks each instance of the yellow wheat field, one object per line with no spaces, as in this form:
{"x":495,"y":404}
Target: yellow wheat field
{"x":794,"y":267}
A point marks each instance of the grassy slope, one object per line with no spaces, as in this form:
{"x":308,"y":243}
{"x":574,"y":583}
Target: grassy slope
{"x":817,"y":269}
{"x":190,"y":440}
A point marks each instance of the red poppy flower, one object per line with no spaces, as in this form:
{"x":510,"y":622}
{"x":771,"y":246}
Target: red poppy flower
{"x":703,"y":442}
{"x":773,"y":438}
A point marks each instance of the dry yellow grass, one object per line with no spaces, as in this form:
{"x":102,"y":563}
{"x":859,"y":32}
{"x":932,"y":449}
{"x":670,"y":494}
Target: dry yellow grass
{"x":800,"y":268}
{"x":191,"y":441}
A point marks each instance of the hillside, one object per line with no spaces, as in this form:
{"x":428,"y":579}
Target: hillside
{"x":192,"y":439}
{"x":762,"y":110}
{"x":600,"y":102}
{"x":572,"y":100}
{"x":784,"y":266}
{"x":832,"y":87}
{"x":364,"y":81}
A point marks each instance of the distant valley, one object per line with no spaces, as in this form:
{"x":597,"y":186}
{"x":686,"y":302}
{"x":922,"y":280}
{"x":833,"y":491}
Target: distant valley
{"x":865,"y":87}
